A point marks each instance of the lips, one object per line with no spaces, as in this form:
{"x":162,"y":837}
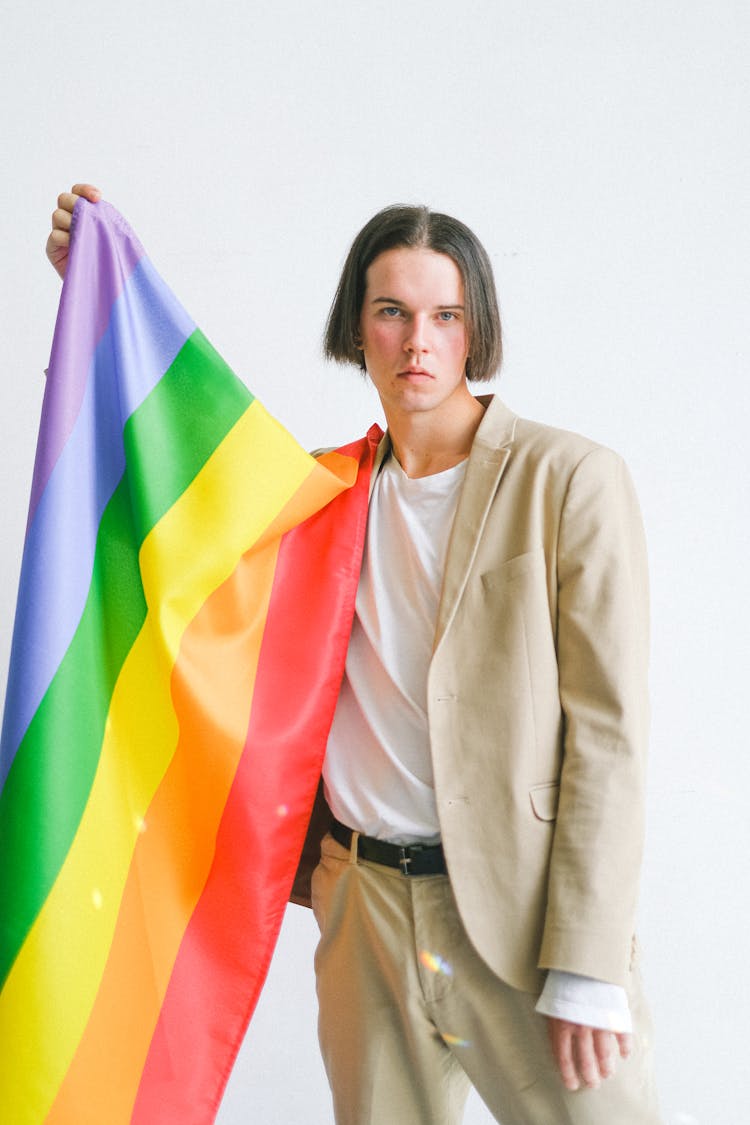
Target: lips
{"x":416,"y":371}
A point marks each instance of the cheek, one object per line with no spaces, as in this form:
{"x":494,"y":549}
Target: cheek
{"x":458,"y":346}
{"x":381,"y":337}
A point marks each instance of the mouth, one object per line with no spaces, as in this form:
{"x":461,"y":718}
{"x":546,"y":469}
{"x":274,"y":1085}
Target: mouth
{"x":416,"y":371}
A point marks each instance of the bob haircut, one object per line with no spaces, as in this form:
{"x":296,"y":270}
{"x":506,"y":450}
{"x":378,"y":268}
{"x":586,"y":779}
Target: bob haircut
{"x":418,"y":227}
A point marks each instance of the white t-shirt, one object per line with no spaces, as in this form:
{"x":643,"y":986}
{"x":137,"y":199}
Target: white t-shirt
{"x":378,"y":771}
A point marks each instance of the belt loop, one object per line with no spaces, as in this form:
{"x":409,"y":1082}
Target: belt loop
{"x":353,"y":846}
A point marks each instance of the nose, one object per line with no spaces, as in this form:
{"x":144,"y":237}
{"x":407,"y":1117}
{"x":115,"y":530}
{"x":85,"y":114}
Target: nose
{"x":417,"y":342}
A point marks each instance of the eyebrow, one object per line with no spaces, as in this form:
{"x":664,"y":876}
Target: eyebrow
{"x":401,"y":304}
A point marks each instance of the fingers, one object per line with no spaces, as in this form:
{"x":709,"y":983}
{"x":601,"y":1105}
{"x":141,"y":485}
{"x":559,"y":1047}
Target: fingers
{"x":561,"y":1037}
{"x":584,"y":1055}
{"x":67,"y":201}
{"x":590,"y":1056}
{"x":88,"y":191}
{"x":57,"y":250}
{"x":624,"y":1043}
{"x":605,"y":1050}
{"x":62,"y":218}
{"x":59,"y":239}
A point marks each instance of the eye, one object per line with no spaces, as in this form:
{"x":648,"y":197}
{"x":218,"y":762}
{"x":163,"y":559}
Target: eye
{"x":391,"y":311}
{"x":446,"y":315}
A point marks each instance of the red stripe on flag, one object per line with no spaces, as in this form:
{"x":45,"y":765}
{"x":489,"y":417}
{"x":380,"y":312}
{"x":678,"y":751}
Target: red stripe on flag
{"x":227,"y":948}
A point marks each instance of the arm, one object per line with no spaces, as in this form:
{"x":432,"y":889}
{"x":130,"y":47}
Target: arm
{"x":602,"y":653}
{"x":603,"y":658}
{"x":59,"y":239}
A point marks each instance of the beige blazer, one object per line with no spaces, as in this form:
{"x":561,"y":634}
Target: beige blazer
{"x":537,"y":704}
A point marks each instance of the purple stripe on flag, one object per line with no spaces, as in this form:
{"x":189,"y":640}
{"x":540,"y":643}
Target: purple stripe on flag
{"x":99,"y":263}
{"x":143,"y":342}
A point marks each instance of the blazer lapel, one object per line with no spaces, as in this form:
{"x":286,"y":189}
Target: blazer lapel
{"x":489,"y":455}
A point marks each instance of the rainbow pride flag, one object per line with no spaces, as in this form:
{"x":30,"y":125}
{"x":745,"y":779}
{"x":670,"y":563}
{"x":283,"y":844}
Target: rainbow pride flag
{"x":186,"y":597}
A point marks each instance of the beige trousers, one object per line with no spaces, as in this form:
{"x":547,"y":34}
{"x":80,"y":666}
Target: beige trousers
{"x":410,"y":1015}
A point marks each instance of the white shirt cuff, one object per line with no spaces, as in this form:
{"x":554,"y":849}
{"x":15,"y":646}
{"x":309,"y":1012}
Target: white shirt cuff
{"x":593,"y":1003}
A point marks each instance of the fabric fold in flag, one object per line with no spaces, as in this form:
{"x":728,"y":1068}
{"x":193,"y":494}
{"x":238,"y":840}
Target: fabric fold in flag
{"x":186,"y":597}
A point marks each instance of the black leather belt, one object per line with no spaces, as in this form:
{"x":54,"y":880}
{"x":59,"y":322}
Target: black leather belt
{"x":411,"y":859}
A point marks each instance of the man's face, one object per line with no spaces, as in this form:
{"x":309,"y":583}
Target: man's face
{"x":413,"y":329}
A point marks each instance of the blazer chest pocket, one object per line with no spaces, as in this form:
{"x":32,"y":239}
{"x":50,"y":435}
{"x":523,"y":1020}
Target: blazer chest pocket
{"x":544,"y":800}
{"x":530,"y":563}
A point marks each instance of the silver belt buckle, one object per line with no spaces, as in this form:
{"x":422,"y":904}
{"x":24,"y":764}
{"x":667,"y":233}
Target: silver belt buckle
{"x":404,"y":860}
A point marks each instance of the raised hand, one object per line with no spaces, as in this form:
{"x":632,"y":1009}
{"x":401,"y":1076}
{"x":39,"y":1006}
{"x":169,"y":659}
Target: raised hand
{"x":59,"y":239}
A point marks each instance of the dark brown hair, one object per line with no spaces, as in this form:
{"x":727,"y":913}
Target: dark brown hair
{"x":400,"y":225}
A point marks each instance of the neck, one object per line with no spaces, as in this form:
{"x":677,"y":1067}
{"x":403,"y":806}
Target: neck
{"x":430,"y":441}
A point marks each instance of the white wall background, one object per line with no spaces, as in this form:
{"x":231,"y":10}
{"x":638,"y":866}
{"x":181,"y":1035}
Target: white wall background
{"x":599,"y":149}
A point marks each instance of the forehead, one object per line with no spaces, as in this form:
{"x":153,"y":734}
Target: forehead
{"x":415,"y":275}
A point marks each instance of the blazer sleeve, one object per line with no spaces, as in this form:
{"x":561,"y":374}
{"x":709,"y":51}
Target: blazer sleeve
{"x":602,"y":646}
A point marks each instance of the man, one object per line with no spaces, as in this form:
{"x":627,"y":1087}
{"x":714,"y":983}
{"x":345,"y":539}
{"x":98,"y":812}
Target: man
{"x":485,"y":764}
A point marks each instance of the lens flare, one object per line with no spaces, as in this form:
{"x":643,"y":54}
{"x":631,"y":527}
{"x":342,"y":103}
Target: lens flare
{"x":455,"y":1040}
{"x":435,"y":963}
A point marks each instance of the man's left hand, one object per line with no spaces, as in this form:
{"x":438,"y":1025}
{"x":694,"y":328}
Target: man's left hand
{"x":586,"y":1055}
